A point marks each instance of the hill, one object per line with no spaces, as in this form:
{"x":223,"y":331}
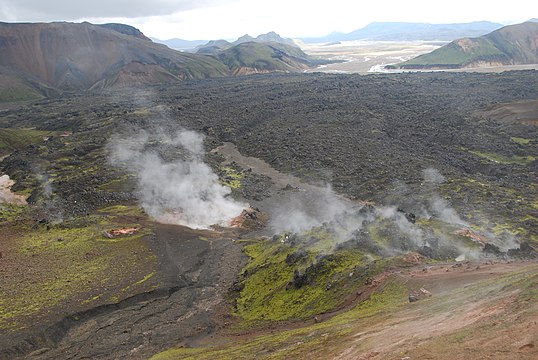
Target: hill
{"x":510,"y":45}
{"x":180,"y":44}
{"x":214,"y":46}
{"x":401,"y":31}
{"x":71,"y":56}
{"x":38,"y":60}
{"x":255,"y":57}
{"x":265,"y":53}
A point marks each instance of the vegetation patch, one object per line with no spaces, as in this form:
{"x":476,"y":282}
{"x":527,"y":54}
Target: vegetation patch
{"x":65,"y":266}
{"x":14,"y":139}
{"x":520,"y":141}
{"x":231,"y":177}
{"x":13,"y":89}
{"x":289,"y":344}
{"x":285,"y":281}
{"x":10,"y":212}
{"x":498,"y":158}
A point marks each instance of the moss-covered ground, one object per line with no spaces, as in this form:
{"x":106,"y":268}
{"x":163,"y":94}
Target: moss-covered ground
{"x":270,"y":294}
{"x":388,"y":326}
{"x":311,"y":338}
{"x":48,"y":270}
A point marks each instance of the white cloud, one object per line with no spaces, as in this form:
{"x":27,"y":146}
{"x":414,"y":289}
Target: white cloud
{"x":229,"y":19}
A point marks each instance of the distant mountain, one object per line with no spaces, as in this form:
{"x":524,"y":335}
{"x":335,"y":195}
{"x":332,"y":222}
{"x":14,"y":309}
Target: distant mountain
{"x":125,"y":29}
{"x":180,"y":44}
{"x":44,"y":59}
{"x":265,"y":53}
{"x":214,"y":46}
{"x":264,"y":38}
{"x":257,"y":57}
{"x":510,"y":45}
{"x":78,"y":56}
{"x":401,"y":31}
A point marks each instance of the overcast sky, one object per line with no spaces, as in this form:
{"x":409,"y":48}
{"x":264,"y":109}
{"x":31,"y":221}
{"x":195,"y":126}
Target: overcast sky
{"x":229,"y":19}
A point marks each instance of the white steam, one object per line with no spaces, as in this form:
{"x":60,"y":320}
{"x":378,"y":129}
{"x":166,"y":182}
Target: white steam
{"x":438,"y":206}
{"x":175,"y":186}
{"x":304,"y":210}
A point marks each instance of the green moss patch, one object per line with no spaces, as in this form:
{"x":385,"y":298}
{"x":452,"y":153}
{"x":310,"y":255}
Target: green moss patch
{"x":284,"y":281}
{"x":520,"y":141}
{"x":501,"y":159}
{"x":61,"y":270}
{"x":311,"y":338}
{"x":10,"y":212}
{"x":231,"y":177}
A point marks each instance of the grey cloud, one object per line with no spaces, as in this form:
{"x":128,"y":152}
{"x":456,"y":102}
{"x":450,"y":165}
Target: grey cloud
{"x":54,"y":10}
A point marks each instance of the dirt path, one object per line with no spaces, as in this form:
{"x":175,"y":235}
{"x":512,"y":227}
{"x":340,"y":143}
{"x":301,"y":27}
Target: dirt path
{"x":258,"y":166}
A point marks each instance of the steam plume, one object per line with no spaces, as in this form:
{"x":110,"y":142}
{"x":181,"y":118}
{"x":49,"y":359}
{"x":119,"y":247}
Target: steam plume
{"x":175,"y":186}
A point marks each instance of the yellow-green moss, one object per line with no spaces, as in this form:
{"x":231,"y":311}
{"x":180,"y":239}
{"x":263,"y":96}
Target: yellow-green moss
{"x":498,"y":158}
{"x":123,"y":210}
{"x":10,"y":212}
{"x":520,"y":141}
{"x":231,"y":178}
{"x":290,"y":344}
{"x":65,"y":266}
{"x":268,"y":294}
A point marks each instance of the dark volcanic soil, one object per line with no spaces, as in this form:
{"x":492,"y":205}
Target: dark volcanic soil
{"x":197,"y":268}
{"x":369,"y":136}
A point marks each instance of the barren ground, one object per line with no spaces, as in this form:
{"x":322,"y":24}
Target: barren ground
{"x":70,"y":292}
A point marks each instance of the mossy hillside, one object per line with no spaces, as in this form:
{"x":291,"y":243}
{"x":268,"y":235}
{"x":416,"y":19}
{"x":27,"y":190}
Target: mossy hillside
{"x":13,"y":89}
{"x":10,"y":212}
{"x":333,"y":336}
{"x":71,"y":268}
{"x":272,"y":292}
{"x":310,"y":339}
{"x":454,"y":55}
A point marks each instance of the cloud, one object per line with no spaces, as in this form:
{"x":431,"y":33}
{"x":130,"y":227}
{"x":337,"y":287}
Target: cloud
{"x":54,"y":10}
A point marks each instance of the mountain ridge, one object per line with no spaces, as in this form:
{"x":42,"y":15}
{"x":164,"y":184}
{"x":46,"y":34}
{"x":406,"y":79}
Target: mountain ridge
{"x":510,"y":45}
{"x":404,"y":31}
{"x":39,"y":59}
{"x":214,"y":46}
{"x":74,"y":56}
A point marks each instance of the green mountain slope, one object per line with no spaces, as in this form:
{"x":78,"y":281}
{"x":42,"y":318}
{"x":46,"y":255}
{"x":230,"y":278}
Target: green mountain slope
{"x":511,"y":45}
{"x":254,"y":57}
